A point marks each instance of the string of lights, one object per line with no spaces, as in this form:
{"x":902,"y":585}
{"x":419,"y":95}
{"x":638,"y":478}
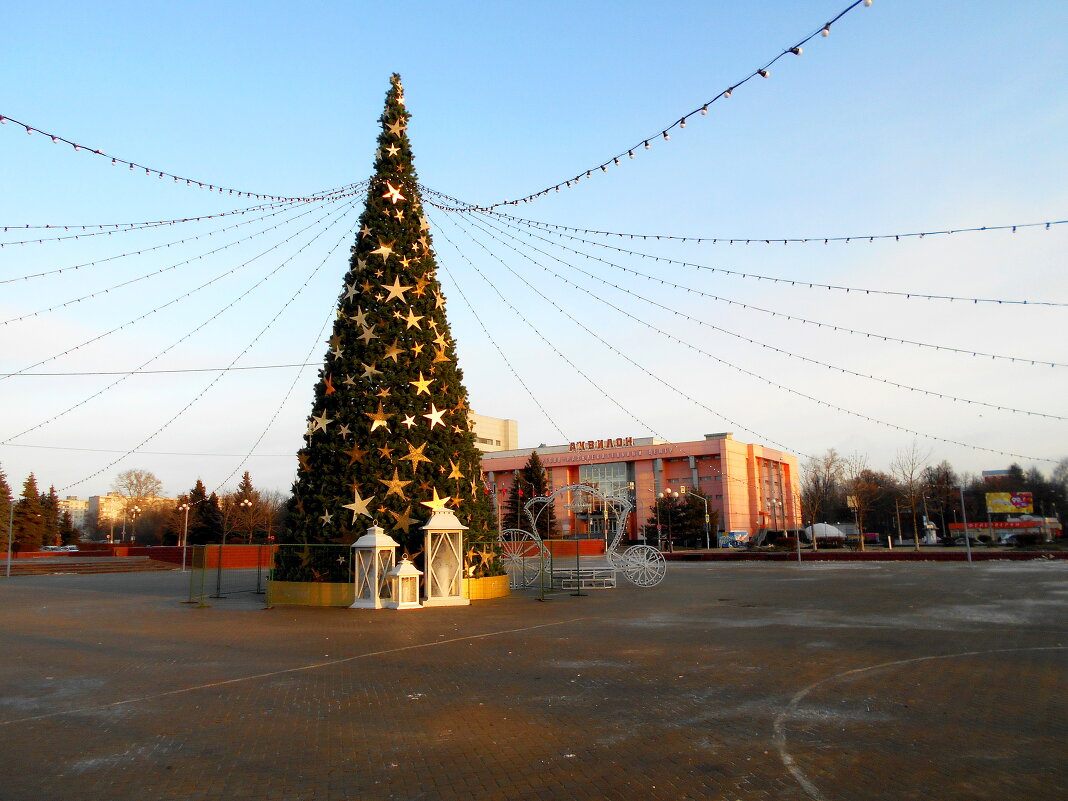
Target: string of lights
{"x":664,"y":134}
{"x":154,"y":273}
{"x":796,"y":282}
{"x":177,"y":242}
{"x":133,"y":165}
{"x":460,"y":223}
{"x":218,"y":313}
{"x":493,"y":341}
{"x":757,"y":376}
{"x":219,"y":375}
{"x":109,"y":229}
{"x":758,"y":343}
{"x":278,"y":410}
{"x":75,"y":374}
{"x":803,"y":320}
{"x":169,"y":303}
{"x":296,"y":377}
{"x":543,"y":338}
{"x":140,"y":452}
{"x":778,"y":240}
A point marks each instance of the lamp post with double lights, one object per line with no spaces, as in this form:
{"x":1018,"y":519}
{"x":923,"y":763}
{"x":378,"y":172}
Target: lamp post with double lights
{"x":135,"y":512}
{"x":674,"y":496}
{"x":246,"y":509}
{"x":684,"y":491}
{"x":185,"y":530}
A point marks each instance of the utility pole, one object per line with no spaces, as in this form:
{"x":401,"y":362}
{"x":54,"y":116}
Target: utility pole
{"x":964,"y":516}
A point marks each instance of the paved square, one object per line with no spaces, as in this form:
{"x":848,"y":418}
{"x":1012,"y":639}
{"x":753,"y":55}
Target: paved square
{"x":728,"y":681}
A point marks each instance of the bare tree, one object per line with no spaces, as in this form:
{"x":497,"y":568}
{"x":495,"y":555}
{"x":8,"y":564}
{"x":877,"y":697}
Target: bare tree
{"x":1060,"y":473}
{"x":137,"y":486}
{"x":274,"y":506}
{"x":862,"y":488}
{"x":907,"y":466}
{"x":940,"y":486}
{"x":821,"y":480}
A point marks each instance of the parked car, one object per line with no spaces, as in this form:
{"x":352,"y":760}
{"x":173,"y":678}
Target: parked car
{"x":975,"y":543}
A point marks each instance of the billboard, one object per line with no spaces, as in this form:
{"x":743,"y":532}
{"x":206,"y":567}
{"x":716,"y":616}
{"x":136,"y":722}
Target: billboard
{"x":1013,"y":503}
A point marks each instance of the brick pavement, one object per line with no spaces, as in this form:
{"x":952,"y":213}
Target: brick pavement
{"x":728,"y":681}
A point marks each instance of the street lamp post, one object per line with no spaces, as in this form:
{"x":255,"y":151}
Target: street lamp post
{"x":185,"y":531}
{"x":246,"y":506}
{"x":135,"y":512}
{"x":964,"y":517}
{"x":674,"y":495}
{"x":684,"y":491}
{"x":659,"y":529}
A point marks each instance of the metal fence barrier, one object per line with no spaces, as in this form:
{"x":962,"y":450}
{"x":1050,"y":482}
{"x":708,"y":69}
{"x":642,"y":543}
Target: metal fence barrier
{"x":220,"y":572}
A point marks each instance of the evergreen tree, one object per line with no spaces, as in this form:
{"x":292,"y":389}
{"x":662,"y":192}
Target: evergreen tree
{"x":389,"y":435}
{"x":205,"y":516}
{"x":50,"y":517}
{"x":210,"y":519}
{"x":68,"y":534}
{"x":530,"y":482}
{"x":512,"y":515}
{"x":29,"y":520}
{"x":6,"y":501}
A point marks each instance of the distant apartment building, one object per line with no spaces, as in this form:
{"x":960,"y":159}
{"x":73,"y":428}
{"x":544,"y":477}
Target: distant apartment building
{"x":77,"y":508}
{"x":494,"y":434}
{"x":113,"y":513}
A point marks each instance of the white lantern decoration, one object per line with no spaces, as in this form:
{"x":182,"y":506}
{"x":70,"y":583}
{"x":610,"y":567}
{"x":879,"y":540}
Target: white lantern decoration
{"x":404,"y":585}
{"x":374,"y":556}
{"x":444,"y":553}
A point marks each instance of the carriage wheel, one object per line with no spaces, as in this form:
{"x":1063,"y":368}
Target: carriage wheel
{"x":521,"y":556}
{"x":644,"y":566}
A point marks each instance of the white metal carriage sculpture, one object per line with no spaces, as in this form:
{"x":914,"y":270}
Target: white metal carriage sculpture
{"x":528,"y":561}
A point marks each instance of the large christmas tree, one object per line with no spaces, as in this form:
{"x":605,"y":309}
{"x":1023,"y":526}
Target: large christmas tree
{"x":389,"y":437}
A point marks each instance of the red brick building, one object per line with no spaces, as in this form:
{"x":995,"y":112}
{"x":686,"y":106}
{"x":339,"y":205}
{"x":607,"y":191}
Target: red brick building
{"x":751,"y":487}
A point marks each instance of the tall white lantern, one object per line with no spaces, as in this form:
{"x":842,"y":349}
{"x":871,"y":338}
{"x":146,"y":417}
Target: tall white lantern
{"x":374,"y":555}
{"x":444,"y":554}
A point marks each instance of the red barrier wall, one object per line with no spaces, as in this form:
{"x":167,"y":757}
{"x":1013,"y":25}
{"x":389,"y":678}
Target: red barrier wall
{"x":235,"y":556}
{"x":562,"y":548}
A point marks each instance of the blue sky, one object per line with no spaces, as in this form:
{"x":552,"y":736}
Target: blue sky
{"x":909,"y":116}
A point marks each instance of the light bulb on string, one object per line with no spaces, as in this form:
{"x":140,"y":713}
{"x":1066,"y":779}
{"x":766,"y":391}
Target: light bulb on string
{"x":646,"y":144}
{"x":826,"y":30}
{"x":704,"y":110}
{"x":763,"y":73}
{"x":727,"y":93}
{"x":867,"y":3}
{"x":682,"y":123}
{"x":797,"y":50}
{"x":630,"y":153}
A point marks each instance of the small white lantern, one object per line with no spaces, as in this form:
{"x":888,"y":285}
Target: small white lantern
{"x":374,"y":555}
{"x":444,"y":551}
{"x":404,"y":586}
